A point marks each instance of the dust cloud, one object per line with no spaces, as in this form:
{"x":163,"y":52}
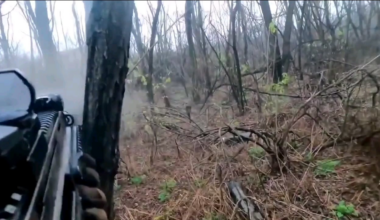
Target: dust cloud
{"x":70,"y":84}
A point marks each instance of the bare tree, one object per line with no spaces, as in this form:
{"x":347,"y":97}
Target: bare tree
{"x":136,"y":32}
{"x":189,"y":12}
{"x":78,"y":29}
{"x":201,"y":41}
{"x":149,"y":78}
{"x":237,"y":60}
{"x":4,"y":41}
{"x":43,"y":32}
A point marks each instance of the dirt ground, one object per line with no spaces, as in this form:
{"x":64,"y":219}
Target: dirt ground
{"x":186,"y":177}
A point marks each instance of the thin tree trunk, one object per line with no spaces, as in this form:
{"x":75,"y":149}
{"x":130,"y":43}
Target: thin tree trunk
{"x":189,"y":11}
{"x":149,"y":79}
{"x":287,"y":33}
{"x":237,"y":61}
{"x":4,"y":43}
{"x":273,"y":43}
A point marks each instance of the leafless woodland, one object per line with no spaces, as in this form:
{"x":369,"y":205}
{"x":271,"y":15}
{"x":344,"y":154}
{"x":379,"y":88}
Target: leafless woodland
{"x":280,"y":97}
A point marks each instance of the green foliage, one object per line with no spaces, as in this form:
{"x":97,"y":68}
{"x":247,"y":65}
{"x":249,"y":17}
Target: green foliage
{"x":343,"y":209}
{"x":326,"y":167}
{"x":164,"y":81}
{"x":168,"y":80}
{"x":277,"y":88}
{"x":272,"y":28}
{"x":286,"y":79}
{"x":138,"y":180}
{"x":166,"y":189}
{"x":244,"y":69}
{"x":163,"y":196}
{"x":169,"y":185}
{"x":257,"y":152}
{"x":139,"y":75}
{"x":280,"y":87}
{"x":143,"y":80}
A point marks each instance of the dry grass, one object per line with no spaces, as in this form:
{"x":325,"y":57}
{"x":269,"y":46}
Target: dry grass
{"x":201,"y":167}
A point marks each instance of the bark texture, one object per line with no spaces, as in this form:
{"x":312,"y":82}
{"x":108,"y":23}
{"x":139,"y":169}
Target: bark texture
{"x":108,"y":40}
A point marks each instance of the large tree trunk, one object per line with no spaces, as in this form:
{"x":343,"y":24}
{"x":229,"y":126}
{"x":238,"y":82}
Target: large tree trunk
{"x":108,"y":40}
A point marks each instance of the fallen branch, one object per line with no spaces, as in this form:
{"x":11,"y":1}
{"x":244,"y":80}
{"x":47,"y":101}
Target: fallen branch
{"x":365,"y":138}
{"x":250,"y":210}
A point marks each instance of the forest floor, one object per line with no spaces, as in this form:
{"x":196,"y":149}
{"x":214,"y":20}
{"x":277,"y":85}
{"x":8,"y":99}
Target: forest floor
{"x":186,"y":179}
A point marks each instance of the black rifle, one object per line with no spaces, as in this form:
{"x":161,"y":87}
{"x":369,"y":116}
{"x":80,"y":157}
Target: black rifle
{"x":45,"y":173}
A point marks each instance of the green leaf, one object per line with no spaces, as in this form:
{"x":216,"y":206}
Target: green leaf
{"x":339,"y":215}
{"x":171,"y":184}
{"x":257,"y":152}
{"x":350,"y":208}
{"x":138,"y":180}
{"x":272,"y":28}
{"x":343,"y":209}
{"x":143,"y":80}
{"x":168,"y":80}
{"x":163,"y":196}
{"x":244,"y":69}
{"x":326,"y":167}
